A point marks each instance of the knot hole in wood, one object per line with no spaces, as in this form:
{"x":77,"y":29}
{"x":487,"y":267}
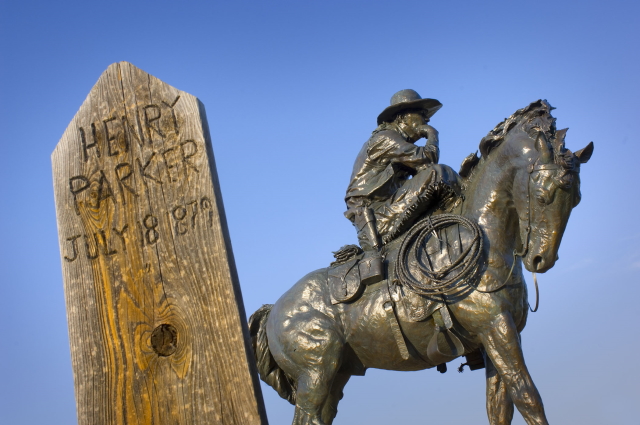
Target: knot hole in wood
{"x":164,"y":340}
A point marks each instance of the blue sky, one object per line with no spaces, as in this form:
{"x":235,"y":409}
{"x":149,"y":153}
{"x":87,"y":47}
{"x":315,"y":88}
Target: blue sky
{"x":292,"y":90}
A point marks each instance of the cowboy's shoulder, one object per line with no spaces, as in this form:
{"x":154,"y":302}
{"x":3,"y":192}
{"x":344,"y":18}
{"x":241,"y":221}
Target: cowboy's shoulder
{"x":385,"y":136}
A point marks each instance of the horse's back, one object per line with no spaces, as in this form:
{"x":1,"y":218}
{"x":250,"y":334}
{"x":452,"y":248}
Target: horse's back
{"x":308,"y":293}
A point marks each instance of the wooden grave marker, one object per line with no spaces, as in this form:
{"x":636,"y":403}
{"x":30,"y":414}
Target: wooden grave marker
{"x":156,"y":321}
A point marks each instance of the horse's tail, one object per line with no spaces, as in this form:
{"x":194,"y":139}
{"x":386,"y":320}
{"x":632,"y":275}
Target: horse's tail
{"x":268,"y":369}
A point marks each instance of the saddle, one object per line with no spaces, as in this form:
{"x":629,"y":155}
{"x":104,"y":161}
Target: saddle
{"x":351,"y":272}
{"x":346,"y":285}
{"x":352,"y":269}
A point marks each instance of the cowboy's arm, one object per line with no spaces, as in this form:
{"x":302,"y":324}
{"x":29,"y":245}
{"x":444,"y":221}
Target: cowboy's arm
{"x":433,"y":142}
{"x":395,"y":149}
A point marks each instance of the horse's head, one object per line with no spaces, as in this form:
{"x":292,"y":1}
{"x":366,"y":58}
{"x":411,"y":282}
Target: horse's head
{"x":525,"y":165}
{"x":549,"y":188}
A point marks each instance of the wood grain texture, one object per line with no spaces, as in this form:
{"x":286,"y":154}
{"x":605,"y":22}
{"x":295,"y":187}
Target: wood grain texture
{"x":144,"y":247}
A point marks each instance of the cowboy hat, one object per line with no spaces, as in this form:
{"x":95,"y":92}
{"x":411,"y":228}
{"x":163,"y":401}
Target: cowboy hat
{"x":408,"y":99}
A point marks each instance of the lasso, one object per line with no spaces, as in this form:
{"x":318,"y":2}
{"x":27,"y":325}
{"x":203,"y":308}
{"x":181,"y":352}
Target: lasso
{"x":442,"y":281}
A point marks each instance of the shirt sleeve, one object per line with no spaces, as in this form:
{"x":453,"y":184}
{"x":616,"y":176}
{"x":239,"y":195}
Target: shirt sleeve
{"x":393,"y":148}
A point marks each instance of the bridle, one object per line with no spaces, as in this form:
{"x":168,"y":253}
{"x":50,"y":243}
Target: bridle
{"x":441,"y":285}
{"x":536,"y":166}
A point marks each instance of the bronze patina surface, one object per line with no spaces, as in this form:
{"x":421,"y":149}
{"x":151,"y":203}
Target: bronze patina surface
{"x":453,"y":246}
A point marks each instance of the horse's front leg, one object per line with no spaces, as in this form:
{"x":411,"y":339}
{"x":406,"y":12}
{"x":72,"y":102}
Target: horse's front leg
{"x":502,"y":345}
{"x":499,"y":404}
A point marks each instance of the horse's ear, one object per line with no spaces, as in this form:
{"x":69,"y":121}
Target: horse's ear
{"x":558,"y":141}
{"x":546,"y":156}
{"x":585,"y":153}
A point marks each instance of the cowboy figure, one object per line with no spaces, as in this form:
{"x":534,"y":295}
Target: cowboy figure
{"x":394,"y":181}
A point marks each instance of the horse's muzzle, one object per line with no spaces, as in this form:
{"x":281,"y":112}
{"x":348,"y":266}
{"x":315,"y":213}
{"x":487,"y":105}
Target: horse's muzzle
{"x":538,"y":263}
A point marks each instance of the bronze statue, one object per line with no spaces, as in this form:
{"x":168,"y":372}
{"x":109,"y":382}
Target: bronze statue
{"x":394,"y":181}
{"x":451,"y":281}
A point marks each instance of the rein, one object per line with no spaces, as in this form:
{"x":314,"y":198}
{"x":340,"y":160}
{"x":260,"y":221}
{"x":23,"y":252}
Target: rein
{"x":525,"y":246}
{"x":533,"y":167}
{"x":442,"y":286}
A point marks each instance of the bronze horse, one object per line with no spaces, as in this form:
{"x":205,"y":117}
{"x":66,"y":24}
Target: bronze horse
{"x":520,"y":192}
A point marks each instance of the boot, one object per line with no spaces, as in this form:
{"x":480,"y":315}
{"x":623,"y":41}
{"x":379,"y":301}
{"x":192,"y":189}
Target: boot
{"x":371,"y":266}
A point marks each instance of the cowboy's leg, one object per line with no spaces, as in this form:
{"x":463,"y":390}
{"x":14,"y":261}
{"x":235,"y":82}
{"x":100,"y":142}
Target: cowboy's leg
{"x":360,"y":214}
{"x":414,"y":197}
{"x":502,"y":345}
{"x":499,"y":404}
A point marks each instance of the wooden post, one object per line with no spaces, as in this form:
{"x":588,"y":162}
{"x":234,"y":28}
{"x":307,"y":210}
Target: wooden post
{"x":156,"y":321}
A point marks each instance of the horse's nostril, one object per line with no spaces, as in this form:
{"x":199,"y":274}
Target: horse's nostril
{"x":537,"y":260}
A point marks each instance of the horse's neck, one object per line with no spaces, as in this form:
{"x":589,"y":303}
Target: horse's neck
{"x":489,"y":200}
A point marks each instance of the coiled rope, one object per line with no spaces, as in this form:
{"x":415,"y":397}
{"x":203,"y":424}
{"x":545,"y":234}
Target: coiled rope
{"x":445,"y":280}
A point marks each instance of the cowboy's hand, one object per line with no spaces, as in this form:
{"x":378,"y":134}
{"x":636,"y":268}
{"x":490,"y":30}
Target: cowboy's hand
{"x":430,"y":133}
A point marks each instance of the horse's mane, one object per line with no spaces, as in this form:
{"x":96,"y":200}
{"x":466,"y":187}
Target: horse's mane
{"x":534,"y":118}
